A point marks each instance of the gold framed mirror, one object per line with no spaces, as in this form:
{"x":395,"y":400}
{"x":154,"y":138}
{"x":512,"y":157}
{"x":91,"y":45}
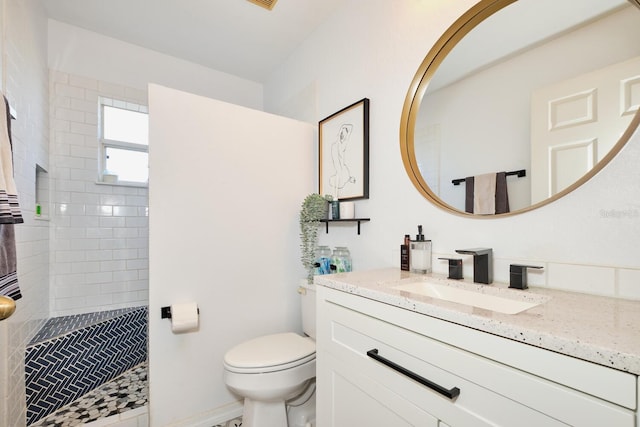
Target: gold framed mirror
{"x":506,"y":37}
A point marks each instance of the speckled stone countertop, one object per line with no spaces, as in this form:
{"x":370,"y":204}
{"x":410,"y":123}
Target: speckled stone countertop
{"x":598,"y":329}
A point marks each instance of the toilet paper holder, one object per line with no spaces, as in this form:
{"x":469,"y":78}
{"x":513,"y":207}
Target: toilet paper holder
{"x":165,"y":312}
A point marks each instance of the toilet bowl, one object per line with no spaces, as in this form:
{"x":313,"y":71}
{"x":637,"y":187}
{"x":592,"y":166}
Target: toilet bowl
{"x":270,"y":370}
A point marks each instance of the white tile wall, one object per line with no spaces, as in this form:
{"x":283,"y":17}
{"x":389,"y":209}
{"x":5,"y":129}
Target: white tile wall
{"x":582,"y":278}
{"x":24,"y":82}
{"x":606,"y":281}
{"x":628,"y":284}
{"x":99,"y":231}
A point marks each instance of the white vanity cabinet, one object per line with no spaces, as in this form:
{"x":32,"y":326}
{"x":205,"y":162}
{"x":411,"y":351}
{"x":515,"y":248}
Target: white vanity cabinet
{"x":374,"y":359}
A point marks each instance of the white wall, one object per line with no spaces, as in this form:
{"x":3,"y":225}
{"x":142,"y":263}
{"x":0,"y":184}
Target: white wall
{"x":24,"y":81}
{"x":225,"y":188}
{"x":85,"y":53}
{"x":587,"y":241}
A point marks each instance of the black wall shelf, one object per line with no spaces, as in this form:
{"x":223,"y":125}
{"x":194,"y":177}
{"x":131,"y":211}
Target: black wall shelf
{"x":358,"y":220}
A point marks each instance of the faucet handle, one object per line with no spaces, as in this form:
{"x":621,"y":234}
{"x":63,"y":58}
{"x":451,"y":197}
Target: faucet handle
{"x":455,"y":268}
{"x":518,"y":275}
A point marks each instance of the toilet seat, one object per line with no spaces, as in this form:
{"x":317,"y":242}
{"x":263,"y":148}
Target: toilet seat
{"x":270,"y":353}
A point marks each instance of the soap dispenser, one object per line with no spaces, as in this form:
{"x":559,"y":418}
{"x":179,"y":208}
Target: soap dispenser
{"x":420,"y":254}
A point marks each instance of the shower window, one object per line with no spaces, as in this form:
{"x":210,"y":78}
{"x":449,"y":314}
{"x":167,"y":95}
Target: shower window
{"x":124,"y":141}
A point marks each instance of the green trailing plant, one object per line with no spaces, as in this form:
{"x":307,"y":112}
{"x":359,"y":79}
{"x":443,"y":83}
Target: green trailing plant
{"x":314,"y":208}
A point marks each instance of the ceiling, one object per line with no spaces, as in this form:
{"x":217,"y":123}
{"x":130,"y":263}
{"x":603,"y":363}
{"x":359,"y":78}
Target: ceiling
{"x":232,"y":36}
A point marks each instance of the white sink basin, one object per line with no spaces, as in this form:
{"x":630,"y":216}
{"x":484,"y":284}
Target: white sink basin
{"x":468,"y":297}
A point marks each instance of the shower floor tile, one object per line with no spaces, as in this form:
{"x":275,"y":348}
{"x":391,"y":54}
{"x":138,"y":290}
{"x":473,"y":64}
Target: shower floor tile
{"x":128,"y":391}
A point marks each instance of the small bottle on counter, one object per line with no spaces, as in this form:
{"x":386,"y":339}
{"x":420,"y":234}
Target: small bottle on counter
{"x":404,"y":254}
{"x":420,"y":254}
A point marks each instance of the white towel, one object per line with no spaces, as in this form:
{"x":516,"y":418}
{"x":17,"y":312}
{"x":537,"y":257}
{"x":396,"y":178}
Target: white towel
{"x":484,"y":194}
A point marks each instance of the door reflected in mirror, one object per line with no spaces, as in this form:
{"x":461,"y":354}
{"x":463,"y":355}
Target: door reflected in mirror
{"x":546,"y":86}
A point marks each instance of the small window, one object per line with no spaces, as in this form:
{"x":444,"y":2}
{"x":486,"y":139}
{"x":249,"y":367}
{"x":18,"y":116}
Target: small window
{"x":124,"y":142}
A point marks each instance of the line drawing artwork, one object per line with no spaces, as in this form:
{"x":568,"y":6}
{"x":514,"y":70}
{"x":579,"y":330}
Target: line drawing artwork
{"x":341,"y":176}
{"x":343,"y":159}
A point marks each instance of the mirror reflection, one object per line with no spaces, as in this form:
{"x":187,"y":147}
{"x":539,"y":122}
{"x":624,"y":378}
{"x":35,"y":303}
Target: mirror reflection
{"x":541,"y":89}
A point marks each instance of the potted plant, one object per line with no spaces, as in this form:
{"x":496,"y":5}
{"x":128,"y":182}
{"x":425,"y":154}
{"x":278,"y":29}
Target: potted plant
{"x":314,"y":208}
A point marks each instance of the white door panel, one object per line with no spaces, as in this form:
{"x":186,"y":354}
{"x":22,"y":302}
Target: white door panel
{"x":576,"y":122}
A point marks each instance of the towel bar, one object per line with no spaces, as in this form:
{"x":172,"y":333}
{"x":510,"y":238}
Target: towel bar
{"x":519,"y":173}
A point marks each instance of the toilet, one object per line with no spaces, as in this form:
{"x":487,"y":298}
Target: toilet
{"x":275,"y":374}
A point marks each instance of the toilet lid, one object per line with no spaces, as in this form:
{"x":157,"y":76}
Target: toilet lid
{"x":270,"y":350}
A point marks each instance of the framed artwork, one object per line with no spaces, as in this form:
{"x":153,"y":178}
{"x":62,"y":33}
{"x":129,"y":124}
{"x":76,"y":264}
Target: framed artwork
{"x":344,"y":153}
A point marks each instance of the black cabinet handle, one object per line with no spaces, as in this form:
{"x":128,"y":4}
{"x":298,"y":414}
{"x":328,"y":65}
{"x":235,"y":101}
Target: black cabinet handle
{"x":449,"y":393}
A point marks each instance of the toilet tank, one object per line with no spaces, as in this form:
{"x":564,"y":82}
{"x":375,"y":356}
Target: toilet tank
{"x":308,"y":307}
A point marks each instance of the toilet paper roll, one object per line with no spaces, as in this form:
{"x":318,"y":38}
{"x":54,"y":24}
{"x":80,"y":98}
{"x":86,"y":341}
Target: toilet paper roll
{"x":184,"y":317}
{"x":347,"y":210}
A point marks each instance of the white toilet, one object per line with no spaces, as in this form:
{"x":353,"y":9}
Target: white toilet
{"x":277,"y":372}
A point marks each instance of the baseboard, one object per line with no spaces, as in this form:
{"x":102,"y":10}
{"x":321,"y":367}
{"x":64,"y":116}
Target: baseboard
{"x":213,"y":417}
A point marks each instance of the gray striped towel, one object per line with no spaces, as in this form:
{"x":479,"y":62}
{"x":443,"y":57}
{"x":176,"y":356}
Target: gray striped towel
{"x":9,"y":210}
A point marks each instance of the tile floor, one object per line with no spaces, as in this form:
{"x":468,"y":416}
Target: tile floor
{"x":127,"y":392}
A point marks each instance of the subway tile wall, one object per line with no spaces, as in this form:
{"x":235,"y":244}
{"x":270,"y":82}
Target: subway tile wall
{"x":23,"y":34}
{"x":99,"y":232}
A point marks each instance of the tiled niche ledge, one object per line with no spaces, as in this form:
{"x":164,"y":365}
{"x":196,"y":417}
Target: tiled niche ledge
{"x":73,"y":355}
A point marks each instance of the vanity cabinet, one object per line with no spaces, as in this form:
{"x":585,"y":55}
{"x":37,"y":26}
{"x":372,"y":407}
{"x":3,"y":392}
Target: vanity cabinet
{"x":379,"y":365}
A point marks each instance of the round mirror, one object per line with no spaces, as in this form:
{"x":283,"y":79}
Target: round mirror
{"x":546,"y":91}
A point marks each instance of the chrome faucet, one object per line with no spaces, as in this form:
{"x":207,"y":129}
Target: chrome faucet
{"x":482,"y":264}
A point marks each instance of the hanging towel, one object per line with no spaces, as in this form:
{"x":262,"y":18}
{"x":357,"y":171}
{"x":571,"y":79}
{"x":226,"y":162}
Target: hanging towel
{"x":484,"y":194}
{"x":9,"y":209}
{"x":468,"y":200}
{"x":8,"y":265}
{"x":502,"y":197}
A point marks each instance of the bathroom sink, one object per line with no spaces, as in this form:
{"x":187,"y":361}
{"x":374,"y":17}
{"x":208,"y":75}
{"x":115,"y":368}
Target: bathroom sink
{"x":473,"y":298}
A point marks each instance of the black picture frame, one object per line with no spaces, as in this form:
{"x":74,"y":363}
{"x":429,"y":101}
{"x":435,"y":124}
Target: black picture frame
{"x":344,"y":153}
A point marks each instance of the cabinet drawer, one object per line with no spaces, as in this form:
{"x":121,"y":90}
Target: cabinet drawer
{"x":488,"y":390}
{"x":351,"y":397}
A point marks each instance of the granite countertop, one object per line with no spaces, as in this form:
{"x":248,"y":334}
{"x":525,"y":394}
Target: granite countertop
{"x":598,"y":329}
